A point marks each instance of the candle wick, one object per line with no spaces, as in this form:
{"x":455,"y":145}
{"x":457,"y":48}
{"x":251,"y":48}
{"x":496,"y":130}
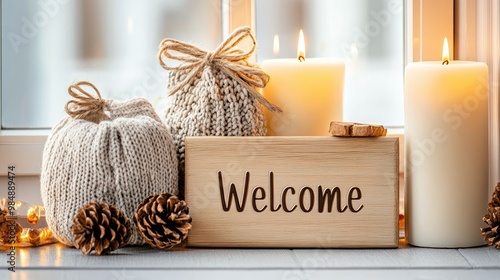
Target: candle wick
{"x":445,"y":62}
{"x":301,"y":58}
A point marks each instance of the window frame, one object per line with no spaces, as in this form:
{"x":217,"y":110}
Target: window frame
{"x":24,"y":147}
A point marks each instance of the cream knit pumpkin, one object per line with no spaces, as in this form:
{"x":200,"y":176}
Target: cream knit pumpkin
{"x":122,"y":160}
{"x":214,"y":93}
{"x":197,"y":110}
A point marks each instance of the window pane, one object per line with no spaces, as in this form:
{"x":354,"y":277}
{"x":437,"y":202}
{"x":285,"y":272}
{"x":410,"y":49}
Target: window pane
{"x":47,"y":45}
{"x":366,"y":34}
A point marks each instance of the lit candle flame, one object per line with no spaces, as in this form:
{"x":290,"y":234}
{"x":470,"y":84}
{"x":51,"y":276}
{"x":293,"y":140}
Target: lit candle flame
{"x":301,"y":50}
{"x":130,"y":25}
{"x":446,"y":52}
{"x":276,"y":44}
{"x":354,"y":51}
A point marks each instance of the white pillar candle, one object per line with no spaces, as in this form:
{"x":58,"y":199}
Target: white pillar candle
{"x":309,"y":91}
{"x":446,"y":135}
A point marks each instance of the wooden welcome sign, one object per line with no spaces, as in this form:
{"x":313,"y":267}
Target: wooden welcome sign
{"x":292,"y":191}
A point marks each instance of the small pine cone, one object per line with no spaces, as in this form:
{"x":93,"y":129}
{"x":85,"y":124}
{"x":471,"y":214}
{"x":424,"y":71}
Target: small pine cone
{"x":495,"y":198}
{"x":10,"y":232}
{"x":101,"y":227}
{"x":163,"y":220}
{"x":3,"y":215}
{"x":34,"y":236}
{"x":492,"y":233}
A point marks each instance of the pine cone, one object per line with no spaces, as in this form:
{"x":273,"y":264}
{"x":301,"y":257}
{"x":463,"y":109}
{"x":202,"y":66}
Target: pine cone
{"x":101,"y":227}
{"x":163,"y":220}
{"x":3,"y":215}
{"x":492,"y":233}
{"x":495,"y":198}
{"x":7,"y":228}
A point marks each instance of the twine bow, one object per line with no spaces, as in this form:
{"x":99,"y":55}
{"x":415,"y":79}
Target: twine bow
{"x":84,"y":105}
{"x":226,"y":57}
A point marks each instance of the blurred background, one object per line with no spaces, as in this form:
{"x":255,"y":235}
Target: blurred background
{"x":49,"y":44}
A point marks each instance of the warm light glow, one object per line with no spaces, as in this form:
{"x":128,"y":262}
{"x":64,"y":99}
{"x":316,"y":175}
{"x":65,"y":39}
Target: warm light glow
{"x":31,"y":236}
{"x":354,"y":52}
{"x":446,"y":51}
{"x":46,"y":235}
{"x":33,"y":215}
{"x":3,"y":202}
{"x":130,"y":25}
{"x":276,"y":45}
{"x":301,"y":49}
{"x":25,"y":237}
{"x":18,"y":204}
{"x":24,"y":258}
{"x":36,"y":237}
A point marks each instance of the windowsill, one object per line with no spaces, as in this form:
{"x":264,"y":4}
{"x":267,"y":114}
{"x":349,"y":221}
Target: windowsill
{"x":24,"y":147}
{"x":45,"y":132}
{"x":20,"y":136}
{"x":141,"y":262}
{"x":395,"y":131}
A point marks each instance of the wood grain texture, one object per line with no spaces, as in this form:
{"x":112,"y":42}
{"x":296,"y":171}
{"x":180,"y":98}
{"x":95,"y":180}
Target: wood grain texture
{"x":337,"y":164}
{"x":405,"y":257}
{"x":144,"y":257}
{"x":482,"y":257}
{"x":349,"y":129}
{"x":250,"y":274}
{"x":59,"y":257}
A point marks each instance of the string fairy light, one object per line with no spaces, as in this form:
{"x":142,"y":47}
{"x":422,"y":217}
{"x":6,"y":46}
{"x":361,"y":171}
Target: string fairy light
{"x":33,"y":215}
{"x":28,"y":236}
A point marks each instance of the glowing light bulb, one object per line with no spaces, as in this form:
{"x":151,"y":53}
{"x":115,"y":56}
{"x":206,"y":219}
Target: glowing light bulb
{"x":33,"y":215}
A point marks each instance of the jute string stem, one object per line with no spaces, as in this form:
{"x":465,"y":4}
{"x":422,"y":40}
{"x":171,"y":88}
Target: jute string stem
{"x":227,"y":58}
{"x":84,"y":105}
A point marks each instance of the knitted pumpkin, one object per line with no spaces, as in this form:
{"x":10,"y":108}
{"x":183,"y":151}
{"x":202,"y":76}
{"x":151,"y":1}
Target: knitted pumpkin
{"x":214,"y":93}
{"x":106,"y":150}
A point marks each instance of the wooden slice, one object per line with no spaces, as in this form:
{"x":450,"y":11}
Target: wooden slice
{"x":349,"y":129}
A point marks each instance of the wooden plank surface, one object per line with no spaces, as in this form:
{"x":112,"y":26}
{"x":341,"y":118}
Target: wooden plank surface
{"x":404,"y":257}
{"x":60,"y":262}
{"x":482,"y":257}
{"x":144,"y":257}
{"x":58,"y":256}
{"x":279,"y":184}
{"x":252,"y":274}
{"x":347,"y":129}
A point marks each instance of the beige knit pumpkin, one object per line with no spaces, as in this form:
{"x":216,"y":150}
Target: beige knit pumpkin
{"x":123,"y":156}
{"x":214,"y":93}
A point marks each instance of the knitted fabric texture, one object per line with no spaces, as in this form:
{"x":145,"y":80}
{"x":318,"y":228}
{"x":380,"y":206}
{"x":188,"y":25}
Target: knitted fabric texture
{"x":214,"y":93}
{"x":122,"y":160}
{"x":199,"y":110}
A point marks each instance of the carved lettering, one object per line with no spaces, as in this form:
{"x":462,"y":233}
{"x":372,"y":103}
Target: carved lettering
{"x":330,"y":194}
{"x":350,"y":198}
{"x":271,"y":189}
{"x":311,"y":199}
{"x":326,"y":197}
{"x":233,"y":194}
{"x":255,"y":198}
{"x":283,"y":199}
